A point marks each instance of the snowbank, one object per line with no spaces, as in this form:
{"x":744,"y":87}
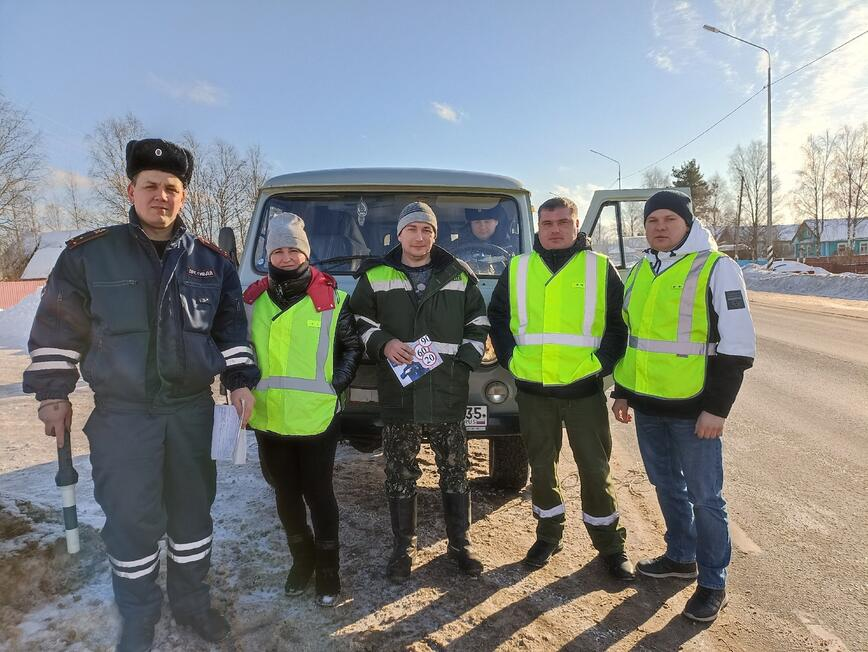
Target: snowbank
{"x":15,"y":323}
{"x":838,"y":286}
{"x":51,"y":245}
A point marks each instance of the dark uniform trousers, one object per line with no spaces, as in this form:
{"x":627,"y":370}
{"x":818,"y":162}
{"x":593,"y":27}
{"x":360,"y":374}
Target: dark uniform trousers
{"x":153,"y":475}
{"x":587,"y":421}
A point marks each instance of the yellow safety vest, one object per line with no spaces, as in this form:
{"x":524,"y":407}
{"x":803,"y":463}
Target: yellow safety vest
{"x":668,"y":320}
{"x":557,"y":320}
{"x":295,"y":351}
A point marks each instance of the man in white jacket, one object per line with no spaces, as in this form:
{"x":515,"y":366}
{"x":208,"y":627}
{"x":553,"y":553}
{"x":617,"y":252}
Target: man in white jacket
{"x":691,"y":338}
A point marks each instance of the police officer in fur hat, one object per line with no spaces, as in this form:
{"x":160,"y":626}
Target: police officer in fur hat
{"x":150,"y":314}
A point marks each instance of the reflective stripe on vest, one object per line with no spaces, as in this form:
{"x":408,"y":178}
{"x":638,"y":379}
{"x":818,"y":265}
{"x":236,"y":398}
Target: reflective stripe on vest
{"x":668,"y":320}
{"x":558,"y":319}
{"x":295,"y":349}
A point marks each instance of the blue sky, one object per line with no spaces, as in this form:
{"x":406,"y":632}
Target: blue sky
{"x":518,"y":88}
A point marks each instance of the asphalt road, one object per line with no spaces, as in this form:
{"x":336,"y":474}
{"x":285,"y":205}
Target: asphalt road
{"x":796,"y":455}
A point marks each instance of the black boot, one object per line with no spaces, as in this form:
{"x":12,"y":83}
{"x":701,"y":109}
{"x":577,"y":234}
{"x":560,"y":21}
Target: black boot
{"x":456,"y":510}
{"x":303,"y":563}
{"x":136,"y":636}
{"x":403,"y":513}
{"x":210,"y":625}
{"x":328,"y":579}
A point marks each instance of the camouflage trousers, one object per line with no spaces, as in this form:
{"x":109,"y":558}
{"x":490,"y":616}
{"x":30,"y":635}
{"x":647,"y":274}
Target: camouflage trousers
{"x":401,"y":444}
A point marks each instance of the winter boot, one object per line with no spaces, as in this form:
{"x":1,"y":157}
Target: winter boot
{"x":403,"y":513}
{"x":456,"y":510}
{"x":210,"y":625}
{"x":328,"y":580}
{"x":303,"y":563}
{"x":136,"y":636}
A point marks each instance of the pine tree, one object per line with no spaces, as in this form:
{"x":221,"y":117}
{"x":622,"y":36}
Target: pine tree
{"x":690,"y":176}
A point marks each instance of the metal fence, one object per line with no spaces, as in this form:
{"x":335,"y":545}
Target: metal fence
{"x":11,"y":292}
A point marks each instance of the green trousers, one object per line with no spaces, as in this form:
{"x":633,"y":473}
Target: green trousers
{"x":587,"y":423}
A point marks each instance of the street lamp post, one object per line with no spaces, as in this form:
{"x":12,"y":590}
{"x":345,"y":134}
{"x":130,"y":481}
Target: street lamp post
{"x":618,"y":226}
{"x":618,"y":163}
{"x":770,"y":240}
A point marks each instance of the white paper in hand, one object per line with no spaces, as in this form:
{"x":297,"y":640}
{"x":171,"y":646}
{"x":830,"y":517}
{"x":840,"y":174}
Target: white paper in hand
{"x":225,"y":435}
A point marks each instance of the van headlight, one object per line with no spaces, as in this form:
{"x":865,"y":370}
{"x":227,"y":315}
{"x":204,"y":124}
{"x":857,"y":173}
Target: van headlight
{"x":489,"y":357}
{"x":496,"y":392}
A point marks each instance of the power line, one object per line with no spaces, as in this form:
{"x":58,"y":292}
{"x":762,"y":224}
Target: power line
{"x":779,"y":79}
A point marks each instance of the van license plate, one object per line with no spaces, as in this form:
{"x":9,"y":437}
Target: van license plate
{"x":476,"y":417}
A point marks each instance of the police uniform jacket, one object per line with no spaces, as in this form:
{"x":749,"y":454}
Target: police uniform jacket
{"x":146,"y":332}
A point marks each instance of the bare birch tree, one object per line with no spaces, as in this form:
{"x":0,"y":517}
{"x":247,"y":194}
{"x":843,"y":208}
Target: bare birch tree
{"x":107,"y":146}
{"x":750,"y":163}
{"x":20,"y":163}
{"x":814,"y":189}
{"x":850,"y":177}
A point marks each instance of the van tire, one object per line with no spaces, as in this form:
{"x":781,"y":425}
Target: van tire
{"x":507,"y":462}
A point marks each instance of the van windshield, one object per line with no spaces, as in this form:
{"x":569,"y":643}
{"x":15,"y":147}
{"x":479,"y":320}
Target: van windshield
{"x":344,"y":229}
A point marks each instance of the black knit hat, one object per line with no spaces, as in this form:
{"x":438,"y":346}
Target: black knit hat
{"x":672,"y":200}
{"x":159,"y":154}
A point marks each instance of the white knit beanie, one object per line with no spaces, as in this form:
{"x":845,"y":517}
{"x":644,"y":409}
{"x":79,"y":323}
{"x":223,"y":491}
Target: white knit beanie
{"x":287,"y":230}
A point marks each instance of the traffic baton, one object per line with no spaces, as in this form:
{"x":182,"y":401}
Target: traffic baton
{"x":66,"y":479}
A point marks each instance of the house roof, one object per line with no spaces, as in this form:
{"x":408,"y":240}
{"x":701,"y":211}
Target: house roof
{"x":835,"y":230}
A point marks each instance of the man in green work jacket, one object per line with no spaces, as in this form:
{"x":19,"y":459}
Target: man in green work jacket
{"x":418,"y":289}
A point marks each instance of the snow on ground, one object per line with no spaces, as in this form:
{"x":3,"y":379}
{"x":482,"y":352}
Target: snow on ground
{"x":840,"y":286}
{"x":15,"y":322}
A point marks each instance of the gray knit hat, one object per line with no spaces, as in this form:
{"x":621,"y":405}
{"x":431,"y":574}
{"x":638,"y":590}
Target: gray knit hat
{"x":286,"y":230}
{"x":417,"y":212}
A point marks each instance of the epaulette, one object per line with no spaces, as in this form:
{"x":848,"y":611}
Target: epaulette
{"x":213,"y":247}
{"x":86,"y":237}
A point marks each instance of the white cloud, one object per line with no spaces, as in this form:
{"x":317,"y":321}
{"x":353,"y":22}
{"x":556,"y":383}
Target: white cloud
{"x":827,"y":95}
{"x":61,"y":179}
{"x":446,"y":112}
{"x":674,"y":24}
{"x":580,"y":193}
{"x":662,"y":59}
{"x":197,"y":91}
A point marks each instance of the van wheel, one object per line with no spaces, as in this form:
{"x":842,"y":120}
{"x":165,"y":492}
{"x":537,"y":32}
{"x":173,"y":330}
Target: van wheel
{"x":507,"y":462}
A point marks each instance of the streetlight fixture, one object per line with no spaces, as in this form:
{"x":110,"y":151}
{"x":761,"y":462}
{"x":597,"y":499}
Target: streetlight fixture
{"x":614,"y":161}
{"x":769,"y":232}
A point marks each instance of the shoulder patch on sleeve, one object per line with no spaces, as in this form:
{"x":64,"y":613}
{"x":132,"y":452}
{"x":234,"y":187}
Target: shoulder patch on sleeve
{"x":734,"y":300}
{"x":212,"y":246}
{"x":86,"y":237}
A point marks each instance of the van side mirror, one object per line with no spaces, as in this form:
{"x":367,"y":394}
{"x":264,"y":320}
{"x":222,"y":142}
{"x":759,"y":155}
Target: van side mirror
{"x":226,"y":241}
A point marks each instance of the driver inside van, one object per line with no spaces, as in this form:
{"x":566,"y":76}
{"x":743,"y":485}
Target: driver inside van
{"x":484,"y":226}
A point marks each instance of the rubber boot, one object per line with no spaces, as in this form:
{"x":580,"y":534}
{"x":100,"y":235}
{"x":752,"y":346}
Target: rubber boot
{"x":456,"y":510}
{"x":403,"y":513}
{"x":303,"y":563}
{"x":328,"y":579}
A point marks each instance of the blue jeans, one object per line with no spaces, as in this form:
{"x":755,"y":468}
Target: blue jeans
{"x":687,"y":473}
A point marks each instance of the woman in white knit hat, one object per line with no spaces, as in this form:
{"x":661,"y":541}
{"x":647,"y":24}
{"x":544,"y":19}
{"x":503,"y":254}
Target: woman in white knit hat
{"x":308,"y":349}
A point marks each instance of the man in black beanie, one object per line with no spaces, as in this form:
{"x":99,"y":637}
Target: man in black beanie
{"x":691,"y":339}
{"x":152,"y":314}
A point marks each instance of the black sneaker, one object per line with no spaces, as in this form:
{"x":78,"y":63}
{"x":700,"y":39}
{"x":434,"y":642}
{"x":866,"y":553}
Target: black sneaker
{"x":210,"y":625}
{"x":541,"y":552}
{"x":705,"y":604}
{"x":135,"y":637}
{"x":662,"y":566}
{"x":619,"y":566}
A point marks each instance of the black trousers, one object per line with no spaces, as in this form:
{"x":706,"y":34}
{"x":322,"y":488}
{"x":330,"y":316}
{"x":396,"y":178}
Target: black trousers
{"x":153,"y":475}
{"x":300,"y":470}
